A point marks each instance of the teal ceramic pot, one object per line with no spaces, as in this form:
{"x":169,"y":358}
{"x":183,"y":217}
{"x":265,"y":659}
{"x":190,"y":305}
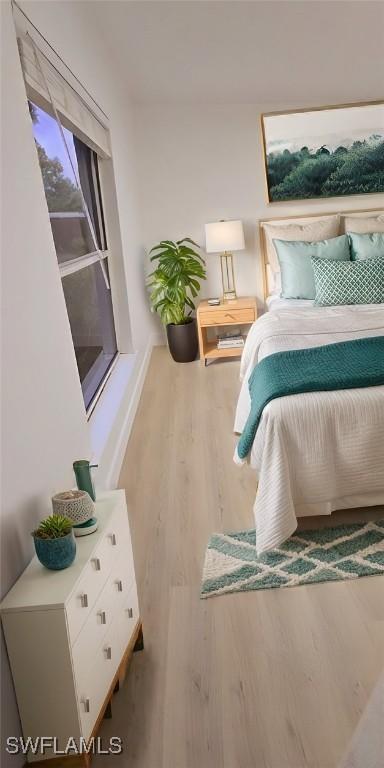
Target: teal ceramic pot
{"x":56,"y":554}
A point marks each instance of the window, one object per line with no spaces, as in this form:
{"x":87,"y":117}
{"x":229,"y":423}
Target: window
{"x":87,"y":296}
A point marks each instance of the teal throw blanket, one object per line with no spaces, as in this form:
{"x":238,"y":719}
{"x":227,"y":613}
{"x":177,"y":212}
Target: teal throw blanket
{"x":344,"y":365}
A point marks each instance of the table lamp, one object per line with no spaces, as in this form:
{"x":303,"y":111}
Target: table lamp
{"x":224,"y":237}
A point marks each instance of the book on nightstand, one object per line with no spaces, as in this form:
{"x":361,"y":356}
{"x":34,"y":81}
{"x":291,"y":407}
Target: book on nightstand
{"x":231,"y":344}
{"x":230,"y":340}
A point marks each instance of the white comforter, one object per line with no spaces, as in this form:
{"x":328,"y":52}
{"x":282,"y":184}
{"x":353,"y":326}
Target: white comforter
{"x":319,"y":451}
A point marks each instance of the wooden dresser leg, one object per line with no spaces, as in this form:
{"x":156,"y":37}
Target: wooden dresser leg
{"x":139,"y":644}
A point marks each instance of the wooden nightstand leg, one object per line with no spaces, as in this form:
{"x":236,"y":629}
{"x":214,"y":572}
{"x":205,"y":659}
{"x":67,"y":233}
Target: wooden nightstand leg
{"x":139,"y":644}
{"x":202,"y":334}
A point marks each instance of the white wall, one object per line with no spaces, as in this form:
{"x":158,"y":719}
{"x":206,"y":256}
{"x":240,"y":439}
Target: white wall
{"x":44,"y":426}
{"x":204,"y":163}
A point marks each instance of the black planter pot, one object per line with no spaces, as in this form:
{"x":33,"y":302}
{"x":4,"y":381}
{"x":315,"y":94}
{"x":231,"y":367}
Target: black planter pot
{"x":182,"y":341}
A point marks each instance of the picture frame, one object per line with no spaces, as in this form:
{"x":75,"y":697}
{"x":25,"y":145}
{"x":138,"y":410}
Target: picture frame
{"x":324,"y":152}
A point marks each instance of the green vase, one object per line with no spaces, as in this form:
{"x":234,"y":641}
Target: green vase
{"x":84,"y":482}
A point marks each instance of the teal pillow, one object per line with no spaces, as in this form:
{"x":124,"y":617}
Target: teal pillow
{"x":349,"y":282}
{"x":297,"y":278}
{"x":367,"y":246}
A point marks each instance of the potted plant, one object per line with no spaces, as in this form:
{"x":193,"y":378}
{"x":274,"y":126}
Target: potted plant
{"x":55,"y":543}
{"x":174,"y":284}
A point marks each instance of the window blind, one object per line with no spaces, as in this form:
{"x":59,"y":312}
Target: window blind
{"x":77,"y":111}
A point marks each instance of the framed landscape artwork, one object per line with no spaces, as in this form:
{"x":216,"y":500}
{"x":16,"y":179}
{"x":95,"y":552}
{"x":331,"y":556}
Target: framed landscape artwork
{"x":324,"y":152}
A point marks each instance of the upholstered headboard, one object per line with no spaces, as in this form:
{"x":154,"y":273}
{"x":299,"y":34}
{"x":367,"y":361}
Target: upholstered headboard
{"x":343,"y":226}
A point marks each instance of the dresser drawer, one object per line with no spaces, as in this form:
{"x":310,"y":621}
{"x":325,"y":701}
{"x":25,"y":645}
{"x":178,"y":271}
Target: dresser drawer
{"x":102,"y":614}
{"x":116,"y":540}
{"x":227,"y":316}
{"x":93,"y":688}
{"x":85,"y":594}
{"x":114,"y":543}
{"x":126,"y":621}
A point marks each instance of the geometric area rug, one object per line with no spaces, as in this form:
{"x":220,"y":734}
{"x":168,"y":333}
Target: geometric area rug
{"x":308,"y":557}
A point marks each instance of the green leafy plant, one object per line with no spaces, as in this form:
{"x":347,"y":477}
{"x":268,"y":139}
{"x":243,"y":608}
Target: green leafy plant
{"x":53,"y":527}
{"x":175,"y":282}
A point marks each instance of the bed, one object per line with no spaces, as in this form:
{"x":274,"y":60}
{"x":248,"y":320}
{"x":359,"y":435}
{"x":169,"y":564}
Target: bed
{"x":319,"y":451}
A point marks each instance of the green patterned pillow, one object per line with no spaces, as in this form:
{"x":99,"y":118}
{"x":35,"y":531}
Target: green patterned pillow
{"x":348,"y":282}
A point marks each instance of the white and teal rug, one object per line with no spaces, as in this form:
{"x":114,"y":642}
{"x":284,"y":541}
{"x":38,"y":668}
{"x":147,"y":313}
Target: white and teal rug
{"x":308,"y":557}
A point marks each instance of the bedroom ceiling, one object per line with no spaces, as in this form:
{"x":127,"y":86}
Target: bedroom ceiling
{"x":231,"y":51}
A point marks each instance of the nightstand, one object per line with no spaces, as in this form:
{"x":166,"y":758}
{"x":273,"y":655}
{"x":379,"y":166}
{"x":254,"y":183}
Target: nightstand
{"x":241,"y":311}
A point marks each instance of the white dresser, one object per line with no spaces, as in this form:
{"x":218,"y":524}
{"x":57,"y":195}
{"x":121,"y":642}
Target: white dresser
{"x":70,"y":633}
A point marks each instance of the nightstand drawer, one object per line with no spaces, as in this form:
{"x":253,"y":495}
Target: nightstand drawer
{"x":227,"y":316}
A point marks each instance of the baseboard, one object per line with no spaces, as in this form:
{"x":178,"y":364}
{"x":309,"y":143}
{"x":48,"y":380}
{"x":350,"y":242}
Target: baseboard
{"x":159,"y":339}
{"x":142,"y":364}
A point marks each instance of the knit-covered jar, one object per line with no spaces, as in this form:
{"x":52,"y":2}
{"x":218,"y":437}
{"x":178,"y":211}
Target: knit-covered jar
{"x":77,"y":505}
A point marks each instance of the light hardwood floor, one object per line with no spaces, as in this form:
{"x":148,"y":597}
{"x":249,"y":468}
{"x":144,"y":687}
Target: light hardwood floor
{"x":272,"y":679}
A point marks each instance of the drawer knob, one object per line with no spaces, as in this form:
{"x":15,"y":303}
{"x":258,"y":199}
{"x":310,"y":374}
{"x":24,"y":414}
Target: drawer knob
{"x":84,"y":600}
{"x":119,"y":585}
{"x":227,"y":314}
{"x":103,"y":617}
{"x":112,"y":536}
{"x":130,"y":613}
{"x":86,"y":705}
{"x":97,"y":564}
{"x":108,"y":652}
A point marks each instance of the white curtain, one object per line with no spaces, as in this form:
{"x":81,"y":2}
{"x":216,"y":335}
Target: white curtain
{"x":76,"y":108}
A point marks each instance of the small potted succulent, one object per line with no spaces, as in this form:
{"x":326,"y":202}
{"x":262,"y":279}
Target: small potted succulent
{"x":174,"y":285}
{"x":55,"y":543}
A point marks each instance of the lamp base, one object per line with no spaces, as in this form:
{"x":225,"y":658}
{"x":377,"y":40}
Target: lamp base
{"x":227,"y":276}
{"x":229,"y":296}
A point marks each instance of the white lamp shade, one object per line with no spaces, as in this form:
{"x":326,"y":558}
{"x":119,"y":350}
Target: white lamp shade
{"x":223,"y":236}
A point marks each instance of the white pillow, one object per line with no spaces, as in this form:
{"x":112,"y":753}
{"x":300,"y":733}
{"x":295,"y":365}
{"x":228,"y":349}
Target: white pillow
{"x":311,"y":231}
{"x":273,"y":281}
{"x":364,"y":224}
